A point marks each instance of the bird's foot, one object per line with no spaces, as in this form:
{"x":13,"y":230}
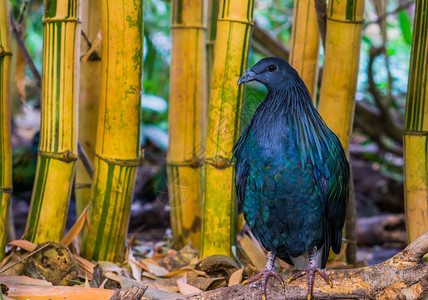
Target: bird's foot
{"x":265,"y":274}
{"x":310,"y":271}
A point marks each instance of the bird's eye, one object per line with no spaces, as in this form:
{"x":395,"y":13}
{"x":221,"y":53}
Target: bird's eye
{"x":271,"y":68}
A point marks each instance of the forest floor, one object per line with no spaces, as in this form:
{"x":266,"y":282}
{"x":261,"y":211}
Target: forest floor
{"x":150,"y":256}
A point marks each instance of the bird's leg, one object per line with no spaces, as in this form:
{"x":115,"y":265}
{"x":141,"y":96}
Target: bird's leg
{"x":311,"y":270}
{"x":269,"y":271}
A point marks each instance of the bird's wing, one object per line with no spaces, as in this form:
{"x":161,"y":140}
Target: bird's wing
{"x":332,"y":177}
{"x":240,"y":155}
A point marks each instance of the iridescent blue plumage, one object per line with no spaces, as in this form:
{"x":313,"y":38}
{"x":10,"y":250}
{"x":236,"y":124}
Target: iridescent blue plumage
{"x":291,"y":171}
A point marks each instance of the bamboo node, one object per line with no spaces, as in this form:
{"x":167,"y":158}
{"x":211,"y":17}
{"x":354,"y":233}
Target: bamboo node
{"x":346,"y":21}
{"x":79,"y":186}
{"x":4,"y":53}
{"x":218,"y":162}
{"x":122,"y":162}
{"x":235,"y":21}
{"x":188,"y":27}
{"x":6,"y":190}
{"x":68,"y":20}
{"x":66,"y":156}
{"x":416,"y":133}
{"x":194,"y":162}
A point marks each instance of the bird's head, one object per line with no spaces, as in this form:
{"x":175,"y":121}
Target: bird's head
{"x":273,"y":72}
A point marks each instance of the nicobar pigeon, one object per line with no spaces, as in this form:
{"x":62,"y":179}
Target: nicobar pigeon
{"x":291,"y":175}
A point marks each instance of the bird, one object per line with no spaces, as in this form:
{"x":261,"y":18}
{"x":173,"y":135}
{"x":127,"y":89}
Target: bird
{"x":291,"y":175}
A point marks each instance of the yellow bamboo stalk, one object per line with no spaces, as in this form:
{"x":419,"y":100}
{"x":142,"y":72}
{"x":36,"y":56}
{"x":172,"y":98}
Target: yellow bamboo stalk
{"x":118,"y":149}
{"x":187,"y":86}
{"x":89,"y":96}
{"x":304,"y":44}
{"x":5,"y":138}
{"x":234,"y":26}
{"x":58,"y":133}
{"x":416,"y":128}
{"x":342,"y":54}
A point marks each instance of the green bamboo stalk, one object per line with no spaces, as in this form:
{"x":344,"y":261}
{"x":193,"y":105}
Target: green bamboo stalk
{"x":89,"y":97}
{"x":234,"y":26}
{"x":416,"y":129}
{"x":118,"y":148}
{"x":5,"y":124}
{"x":58,"y":133}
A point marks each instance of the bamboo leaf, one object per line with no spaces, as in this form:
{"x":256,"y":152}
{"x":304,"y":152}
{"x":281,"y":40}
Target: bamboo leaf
{"x":77,"y":227}
{"x":405,"y":26}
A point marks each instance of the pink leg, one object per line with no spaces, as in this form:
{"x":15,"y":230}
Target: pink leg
{"x":311,"y":270}
{"x":269,"y":271}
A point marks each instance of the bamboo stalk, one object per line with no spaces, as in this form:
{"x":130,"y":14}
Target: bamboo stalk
{"x":187,"y":86}
{"x":415,"y":130}
{"x":5,"y":124}
{"x":118,"y":149}
{"x":89,"y":96}
{"x":305,"y":41}
{"x":58,"y":133}
{"x":213,"y":7}
{"x":234,"y":26}
{"x":339,"y":81}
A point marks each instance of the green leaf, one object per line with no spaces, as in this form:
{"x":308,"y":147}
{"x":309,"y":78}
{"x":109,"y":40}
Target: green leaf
{"x":405,"y":26}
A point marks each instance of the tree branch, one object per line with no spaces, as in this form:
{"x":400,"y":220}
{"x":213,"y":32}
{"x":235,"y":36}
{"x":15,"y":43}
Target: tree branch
{"x":321,"y":9}
{"x":390,"y":127}
{"x":273,"y":45}
{"x":401,"y":277}
{"x":17,"y":35}
{"x":395,"y":11}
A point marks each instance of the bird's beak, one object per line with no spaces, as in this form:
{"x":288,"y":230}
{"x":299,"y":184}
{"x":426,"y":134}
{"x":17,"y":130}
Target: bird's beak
{"x":248,"y":76}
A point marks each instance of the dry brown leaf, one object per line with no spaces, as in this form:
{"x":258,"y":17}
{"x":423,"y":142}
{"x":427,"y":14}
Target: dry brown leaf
{"x":135,"y":267}
{"x":206,"y":284}
{"x":85,"y":264}
{"x":74,"y":231}
{"x":95,"y":43}
{"x":180,"y":259}
{"x":23,"y":244}
{"x":254,"y":252}
{"x":20,"y":75}
{"x":180,"y":272}
{"x":22,"y":292}
{"x":236,"y":277}
{"x":155,"y":268}
{"x":185,"y":288}
{"x":24,"y":280}
{"x":149,"y":275}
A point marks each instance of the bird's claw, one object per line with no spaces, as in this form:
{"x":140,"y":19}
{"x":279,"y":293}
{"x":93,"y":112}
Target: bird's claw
{"x":265,"y":274}
{"x":311,"y":274}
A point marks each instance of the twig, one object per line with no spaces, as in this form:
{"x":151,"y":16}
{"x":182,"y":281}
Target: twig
{"x":321,"y":9}
{"x":270,"y":43}
{"x":391,"y":128}
{"x":17,"y":34}
{"x":94,"y":55}
{"x":85,"y":160}
{"x":21,"y":15}
{"x":395,"y":11}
